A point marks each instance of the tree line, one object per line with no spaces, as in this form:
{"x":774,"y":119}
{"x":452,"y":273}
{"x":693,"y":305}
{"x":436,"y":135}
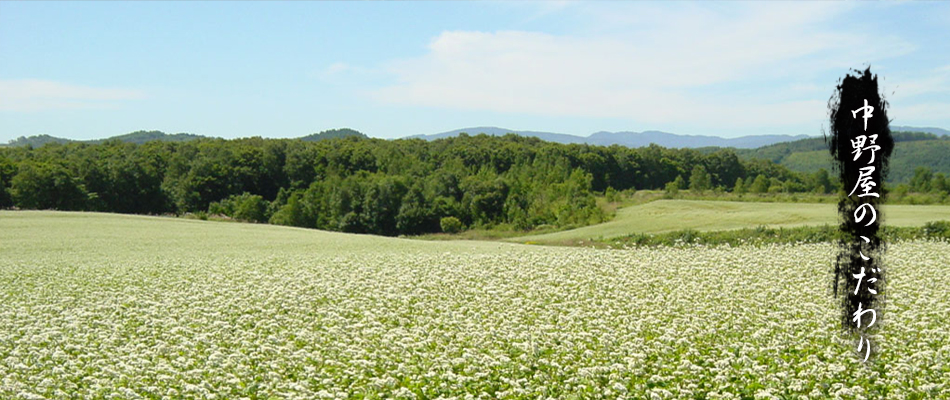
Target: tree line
{"x":362,"y":185}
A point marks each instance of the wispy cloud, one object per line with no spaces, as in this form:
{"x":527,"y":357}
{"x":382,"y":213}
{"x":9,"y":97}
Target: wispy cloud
{"x":654,"y":72}
{"x":934,"y":81}
{"x":29,"y":95}
{"x":336,"y":68}
{"x":934,"y":113}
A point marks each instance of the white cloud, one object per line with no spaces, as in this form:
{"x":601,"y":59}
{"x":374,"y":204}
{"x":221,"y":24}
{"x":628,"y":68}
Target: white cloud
{"x":336,"y":68}
{"x":919,"y":114}
{"x":935,"y":81}
{"x":654,"y":72}
{"x":25,"y":95}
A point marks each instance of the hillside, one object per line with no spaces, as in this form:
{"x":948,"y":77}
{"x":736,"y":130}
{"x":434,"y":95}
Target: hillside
{"x":36,"y":141}
{"x":911,"y":150}
{"x":137,"y":137}
{"x":663,"y":216}
{"x":333,"y":134}
{"x":915,"y":147}
{"x":930,"y":130}
{"x":140,"y":137}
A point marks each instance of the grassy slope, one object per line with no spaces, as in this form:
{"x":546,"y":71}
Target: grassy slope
{"x":29,"y":234}
{"x":673,"y":215}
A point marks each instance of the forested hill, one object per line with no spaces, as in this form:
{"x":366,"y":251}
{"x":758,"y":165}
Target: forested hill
{"x":912,"y":150}
{"x":137,"y":137}
{"x":36,"y":141}
{"x":334,"y":134}
{"x":140,"y":137}
{"x":377,"y":186}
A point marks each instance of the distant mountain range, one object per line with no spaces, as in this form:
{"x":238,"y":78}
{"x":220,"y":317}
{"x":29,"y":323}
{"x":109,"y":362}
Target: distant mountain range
{"x":665,"y":139}
{"x":630,"y":139}
{"x":137,"y":137}
{"x":140,"y":137}
{"x":935,"y":131}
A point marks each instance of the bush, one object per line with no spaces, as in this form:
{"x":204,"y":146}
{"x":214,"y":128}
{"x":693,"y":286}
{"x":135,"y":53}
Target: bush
{"x":244,"y":207}
{"x":451,"y":225}
{"x":672,"y":189}
{"x":763,"y":235}
{"x":937,"y":229}
{"x":251,"y":208}
{"x":197,"y":215}
{"x":612,"y":195}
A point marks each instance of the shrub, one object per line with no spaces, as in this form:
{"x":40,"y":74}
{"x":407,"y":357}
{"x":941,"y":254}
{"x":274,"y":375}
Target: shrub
{"x":451,"y":225}
{"x":672,"y":189}
{"x":937,"y":229}
{"x":251,"y":208}
{"x":244,"y":207}
{"x":612,"y":195}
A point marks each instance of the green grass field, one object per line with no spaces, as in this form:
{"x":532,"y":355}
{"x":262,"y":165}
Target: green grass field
{"x":100,"y":306}
{"x":702,"y":215}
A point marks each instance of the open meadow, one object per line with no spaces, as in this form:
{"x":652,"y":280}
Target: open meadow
{"x":663,"y":216}
{"x":112,"y":306}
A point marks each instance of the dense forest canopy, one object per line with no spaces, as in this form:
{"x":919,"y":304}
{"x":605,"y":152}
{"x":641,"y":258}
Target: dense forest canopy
{"x":357,"y":184}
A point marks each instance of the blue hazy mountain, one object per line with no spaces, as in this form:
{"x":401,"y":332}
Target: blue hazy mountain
{"x":665,"y":139}
{"x":629,"y":139}
{"x":494,"y":131}
{"x":935,"y":131}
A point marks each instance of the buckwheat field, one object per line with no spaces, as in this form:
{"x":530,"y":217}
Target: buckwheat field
{"x":123,"y":307}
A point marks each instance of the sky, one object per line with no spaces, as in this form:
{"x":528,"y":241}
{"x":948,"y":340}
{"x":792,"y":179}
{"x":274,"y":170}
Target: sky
{"x":86,"y":70}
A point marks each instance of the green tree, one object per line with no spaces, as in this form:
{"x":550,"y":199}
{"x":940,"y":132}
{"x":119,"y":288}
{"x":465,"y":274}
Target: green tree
{"x":739,"y":187}
{"x":250,"y":207}
{"x":673,"y":188}
{"x":821,"y":182}
{"x":7,"y":170}
{"x":485,"y":195}
{"x":920,"y":183}
{"x":5,"y":200}
{"x":939,"y":183}
{"x":760,"y":184}
{"x":294,"y":213}
{"x":699,"y":179}
{"x":47,"y":186}
{"x":415,"y":216}
{"x":381,"y":205}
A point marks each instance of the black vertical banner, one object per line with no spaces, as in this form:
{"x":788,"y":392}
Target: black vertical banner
{"x":861,"y":145}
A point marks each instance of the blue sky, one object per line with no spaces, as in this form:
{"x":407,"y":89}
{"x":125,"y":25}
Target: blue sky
{"x":393,"y":69}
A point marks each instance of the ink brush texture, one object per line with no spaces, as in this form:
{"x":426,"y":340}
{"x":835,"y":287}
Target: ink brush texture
{"x":861,"y":145}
